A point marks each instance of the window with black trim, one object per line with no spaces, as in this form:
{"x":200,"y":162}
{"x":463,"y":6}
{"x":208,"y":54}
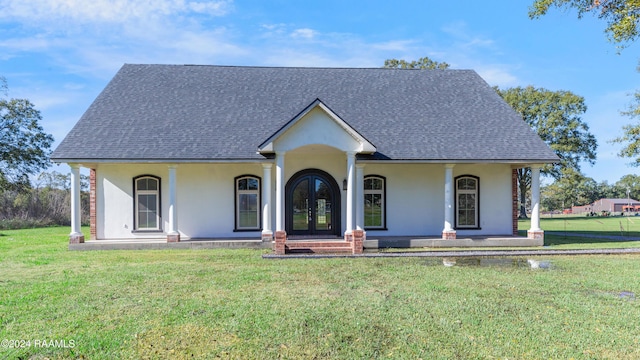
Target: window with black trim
{"x":467,"y":202}
{"x":147,"y":203}
{"x":247,"y":202}
{"x":375,"y":209}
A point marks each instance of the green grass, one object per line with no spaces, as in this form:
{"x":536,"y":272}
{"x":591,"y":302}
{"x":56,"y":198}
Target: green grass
{"x":598,"y":227}
{"x":183,"y":304}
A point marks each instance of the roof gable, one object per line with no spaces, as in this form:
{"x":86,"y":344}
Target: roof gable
{"x":317,"y":124}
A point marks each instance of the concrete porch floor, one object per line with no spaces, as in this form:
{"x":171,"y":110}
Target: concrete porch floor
{"x":372,"y":242}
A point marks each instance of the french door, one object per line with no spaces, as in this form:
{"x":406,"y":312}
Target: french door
{"x":313,"y":204}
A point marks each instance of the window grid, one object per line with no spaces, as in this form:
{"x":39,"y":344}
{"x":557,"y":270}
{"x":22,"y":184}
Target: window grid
{"x":374,"y":202}
{"x":147,"y":205}
{"x":467,"y":202}
{"x":247,"y":203}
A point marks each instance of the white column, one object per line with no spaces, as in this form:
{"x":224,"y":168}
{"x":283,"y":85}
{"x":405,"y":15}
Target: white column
{"x":360,"y":196}
{"x":173,"y":206}
{"x":280,"y":191}
{"x":535,"y":198}
{"x":448,"y":198}
{"x":351,"y":160}
{"x":266,"y":199}
{"x":76,"y":231}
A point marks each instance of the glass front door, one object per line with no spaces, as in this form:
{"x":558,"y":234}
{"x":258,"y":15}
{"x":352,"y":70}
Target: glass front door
{"x":312,"y":200}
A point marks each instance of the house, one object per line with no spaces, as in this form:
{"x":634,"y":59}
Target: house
{"x":182,"y":152}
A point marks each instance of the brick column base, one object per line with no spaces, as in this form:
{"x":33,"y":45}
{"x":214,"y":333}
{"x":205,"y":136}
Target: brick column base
{"x":536,"y":235}
{"x":358,"y":241}
{"x":281,"y":239}
{"x":76,"y":239}
{"x":448,"y":235}
{"x":171,"y":238}
{"x":267,"y":236}
{"x":348,"y":236}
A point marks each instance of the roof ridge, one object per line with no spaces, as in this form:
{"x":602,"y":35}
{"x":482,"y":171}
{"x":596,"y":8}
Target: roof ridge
{"x":289,"y":67}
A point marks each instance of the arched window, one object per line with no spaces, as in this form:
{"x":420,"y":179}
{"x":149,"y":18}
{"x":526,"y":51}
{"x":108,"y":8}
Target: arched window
{"x":467,"y":202}
{"x":375,"y":208}
{"x":147,"y":202}
{"x":247,"y":202}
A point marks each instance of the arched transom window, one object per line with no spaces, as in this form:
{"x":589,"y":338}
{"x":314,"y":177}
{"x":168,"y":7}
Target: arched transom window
{"x":374,"y":202}
{"x":467,"y":201}
{"x":147,"y":203}
{"x":247,"y":203}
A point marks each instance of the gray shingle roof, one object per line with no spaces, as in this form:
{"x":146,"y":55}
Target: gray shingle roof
{"x":209,"y":113}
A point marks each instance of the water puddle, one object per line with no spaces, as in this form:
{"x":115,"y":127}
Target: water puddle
{"x":494,"y":262}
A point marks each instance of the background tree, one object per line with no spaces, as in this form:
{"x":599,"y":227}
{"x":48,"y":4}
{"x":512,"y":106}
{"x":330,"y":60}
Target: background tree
{"x":556,"y":117}
{"x":623,"y":25}
{"x":631,"y":133}
{"x":422,"y":63}
{"x":622,"y":16}
{"x":24,"y":146}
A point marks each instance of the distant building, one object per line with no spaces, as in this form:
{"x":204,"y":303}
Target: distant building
{"x":615,"y":205}
{"x":584,"y":209}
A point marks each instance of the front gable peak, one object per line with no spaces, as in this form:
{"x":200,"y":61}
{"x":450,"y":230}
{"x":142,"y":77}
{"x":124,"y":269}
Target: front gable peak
{"x":317,"y":124}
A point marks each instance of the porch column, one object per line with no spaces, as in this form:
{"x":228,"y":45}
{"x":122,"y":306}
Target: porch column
{"x":351,"y":160}
{"x":448,"y":232}
{"x":172,"y":232}
{"x":76,"y":236}
{"x":267,"y":234}
{"x":280,"y":191}
{"x":535,"y":232}
{"x":360,"y":196}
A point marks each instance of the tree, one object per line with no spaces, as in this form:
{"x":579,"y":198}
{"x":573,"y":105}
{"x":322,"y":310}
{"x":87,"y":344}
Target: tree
{"x":631,"y":133}
{"x":622,"y":16}
{"x":423,"y":63}
{"x":24,"y":146}
{"x":555,"y":117}
{"x":623,"y":28}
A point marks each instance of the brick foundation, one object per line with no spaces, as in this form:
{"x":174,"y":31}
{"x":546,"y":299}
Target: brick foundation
{"x":76,"y":239}
{"x":173,"y":238}
{"x":536,"y":235}
{"x":278,"y":245}
{"x":358,"y":241}
{"x":448,"y":235}
{"x":92,"y":205}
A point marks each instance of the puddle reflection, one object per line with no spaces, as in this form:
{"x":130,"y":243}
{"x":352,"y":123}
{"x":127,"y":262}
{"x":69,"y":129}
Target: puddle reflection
{"x":494,"y":262}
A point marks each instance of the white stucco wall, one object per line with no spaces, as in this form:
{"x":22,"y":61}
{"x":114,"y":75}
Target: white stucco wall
{"x":205,"y":193}
{"x":415,"y":198}
{"x":205,"y":199}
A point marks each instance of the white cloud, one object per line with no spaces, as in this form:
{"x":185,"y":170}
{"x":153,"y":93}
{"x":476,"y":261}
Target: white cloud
{"x":119,"y":11}
{"x":304,"y":33}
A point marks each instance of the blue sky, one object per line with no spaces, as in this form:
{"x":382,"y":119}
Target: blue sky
{"x":61,"y":53}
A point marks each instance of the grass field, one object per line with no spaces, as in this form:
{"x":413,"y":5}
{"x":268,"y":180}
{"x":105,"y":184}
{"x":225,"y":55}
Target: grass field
{"x":558,"y":231}
{"x":184,"y":304}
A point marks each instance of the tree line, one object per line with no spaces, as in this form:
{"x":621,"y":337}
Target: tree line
{"x":45,"y":201}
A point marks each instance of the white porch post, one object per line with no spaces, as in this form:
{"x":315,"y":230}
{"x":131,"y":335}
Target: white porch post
{"x":280,"y":191}
{"x":360,"y":196}
{"x":351,"y":159}
{"x":267,"y":234}
{"x":448,"y":232}
{"x":172,"y":232}
{"x":76,"y":236}
{"x":535,"y":232}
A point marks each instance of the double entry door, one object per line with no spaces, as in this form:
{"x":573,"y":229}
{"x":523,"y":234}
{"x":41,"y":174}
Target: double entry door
{"x":313,"y":204}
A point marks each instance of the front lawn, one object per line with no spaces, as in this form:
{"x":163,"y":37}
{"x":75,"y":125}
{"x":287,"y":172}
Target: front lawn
{"x":183,"y":304}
